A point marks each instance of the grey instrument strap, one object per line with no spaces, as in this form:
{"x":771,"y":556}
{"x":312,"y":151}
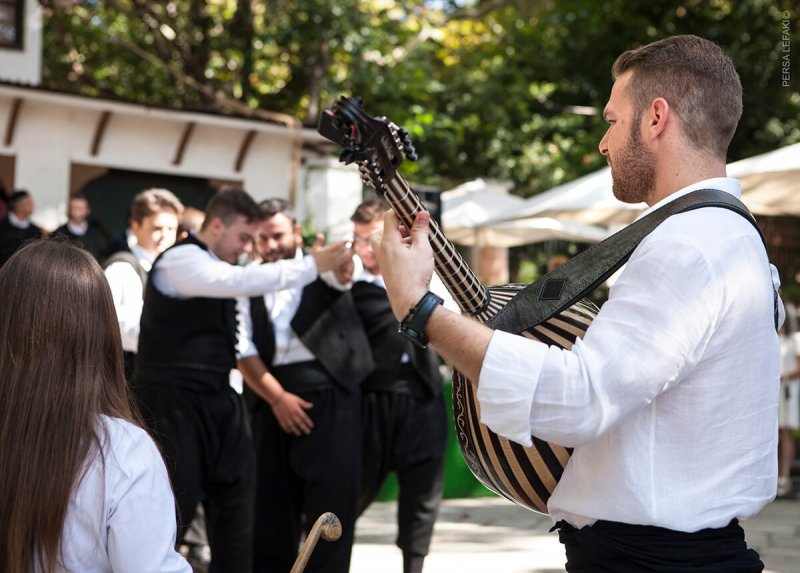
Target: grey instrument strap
{"x":566,"y":285}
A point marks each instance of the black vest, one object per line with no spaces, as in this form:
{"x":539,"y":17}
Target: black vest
{"x":328,"y":325}
{"x":388,"y":345}
{"x":188,"y":342}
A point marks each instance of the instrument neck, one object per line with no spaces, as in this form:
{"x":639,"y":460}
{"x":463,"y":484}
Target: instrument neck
{"x":471,"y":296}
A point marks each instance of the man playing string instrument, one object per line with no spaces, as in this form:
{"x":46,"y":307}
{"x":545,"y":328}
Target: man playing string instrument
{"x":670,"y":399}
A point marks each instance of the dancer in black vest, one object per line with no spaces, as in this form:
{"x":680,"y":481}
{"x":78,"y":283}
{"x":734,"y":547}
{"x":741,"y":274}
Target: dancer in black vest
{"x":403,"y":410}
{"x":186,"y":352}
{"x":303,"y":354}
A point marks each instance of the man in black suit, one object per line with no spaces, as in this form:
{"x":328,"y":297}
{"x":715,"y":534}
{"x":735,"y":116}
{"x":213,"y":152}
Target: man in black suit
{"x":17,"y":228}
{"x":302,"y":353}
{"x":403,"y":410}
{"x":80,"y":229}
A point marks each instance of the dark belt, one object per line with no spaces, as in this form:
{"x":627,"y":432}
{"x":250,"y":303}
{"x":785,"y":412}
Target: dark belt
{"x":626,"y":548}
{"x":406,"y":380}
{"x":307,"y":376}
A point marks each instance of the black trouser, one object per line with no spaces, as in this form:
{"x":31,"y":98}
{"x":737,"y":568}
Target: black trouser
{"x":408,"y":435}
{"x":612,"y":547}
{"x":300,"y":478}
{"x":207,"y":448}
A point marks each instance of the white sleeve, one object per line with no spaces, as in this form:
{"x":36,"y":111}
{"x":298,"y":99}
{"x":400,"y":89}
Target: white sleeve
{"x":245,"y":347}
{"x":188,"y":271}
{"x":141,"y":521}
{"x":330,"y":278}
{"x":126,"y":290}
{"x":647,"y":335}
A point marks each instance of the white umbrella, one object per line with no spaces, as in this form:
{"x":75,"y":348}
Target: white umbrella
{"x":770,"y":181}
{"x":475,"y":202}
{"x":526,"y":231}
{"x":587,"y":200}
{"x":467,"y":208}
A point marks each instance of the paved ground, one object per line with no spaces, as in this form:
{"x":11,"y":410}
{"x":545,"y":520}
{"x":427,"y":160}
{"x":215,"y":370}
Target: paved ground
{"x":492,"y":535}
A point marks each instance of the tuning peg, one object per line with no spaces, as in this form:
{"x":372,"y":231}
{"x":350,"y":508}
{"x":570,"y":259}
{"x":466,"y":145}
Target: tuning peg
{"x":408,"y":146}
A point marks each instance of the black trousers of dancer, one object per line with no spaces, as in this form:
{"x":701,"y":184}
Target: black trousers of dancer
{"x":611,"y":547}
{"x":301,"y":477}
{"x":206,"y":443}
{"x":406,"y":434}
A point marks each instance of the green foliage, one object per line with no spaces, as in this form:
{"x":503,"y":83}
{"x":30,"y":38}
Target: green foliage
{"x":491,"y":88}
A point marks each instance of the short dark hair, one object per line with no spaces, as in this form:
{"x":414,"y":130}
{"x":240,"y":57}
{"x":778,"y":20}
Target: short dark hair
{"x":229,"y":203}
{"x":698,"y":80}
{"x":271,"y":207}
{"x":369,"y":211}
{"x":17,"y":197}
{"x":154,"y":201}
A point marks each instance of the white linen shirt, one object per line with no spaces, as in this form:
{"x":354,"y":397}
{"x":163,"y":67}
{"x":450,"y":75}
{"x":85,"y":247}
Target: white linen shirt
{"x":670,"y":399}
{"x":188,"y":271}
{"x":282,"y":306}
{"x":128,"y":295}
{"x":121,"y":517}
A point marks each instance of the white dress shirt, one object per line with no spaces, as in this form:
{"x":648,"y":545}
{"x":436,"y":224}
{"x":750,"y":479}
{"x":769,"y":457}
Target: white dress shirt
{"x":670,"y":399}
{"x":282,"y":306}
{"x":17,"y":222}
{"x":188,"y":271}
{"x":121,"y":517}
{"x":128,"y":294}
{"x":76,"y":229}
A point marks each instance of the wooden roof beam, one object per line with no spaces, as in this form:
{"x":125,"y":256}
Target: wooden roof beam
{"x":184,"y":143}
{"x":244,"y":149}
{"x":99,"y":132}
{"x":11,"y":122}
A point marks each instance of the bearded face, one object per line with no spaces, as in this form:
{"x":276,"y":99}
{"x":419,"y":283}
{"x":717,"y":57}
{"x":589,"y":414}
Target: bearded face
{"x":633,"y":169}
{"x":278,"y":238}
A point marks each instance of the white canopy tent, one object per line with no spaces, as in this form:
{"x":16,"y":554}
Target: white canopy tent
{"x":467,"y":208}
{"x":770,"y":181}
{"x":585,"y":200}
{"x":526,"y":231}
{"x":770,"y":186}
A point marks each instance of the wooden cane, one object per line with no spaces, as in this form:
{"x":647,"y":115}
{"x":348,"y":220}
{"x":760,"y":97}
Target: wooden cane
{"x":329,"y":527}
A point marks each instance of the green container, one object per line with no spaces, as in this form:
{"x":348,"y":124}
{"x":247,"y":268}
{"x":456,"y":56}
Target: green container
{"x":458,"y":480}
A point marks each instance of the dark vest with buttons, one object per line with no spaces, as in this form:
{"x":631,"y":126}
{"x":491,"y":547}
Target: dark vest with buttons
{"x":187,"y":342}
{"x":388,"y":347}
{"x":328,"y":325}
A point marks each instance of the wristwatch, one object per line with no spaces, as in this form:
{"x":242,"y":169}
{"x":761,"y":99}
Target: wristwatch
{"x":413,"y":325}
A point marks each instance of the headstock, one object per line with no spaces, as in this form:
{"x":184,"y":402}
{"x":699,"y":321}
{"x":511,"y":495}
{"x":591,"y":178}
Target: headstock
{"x":375,"y":143}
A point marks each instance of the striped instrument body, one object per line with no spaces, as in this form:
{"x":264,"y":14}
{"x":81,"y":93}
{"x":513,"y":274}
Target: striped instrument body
{"x":525,"y":475}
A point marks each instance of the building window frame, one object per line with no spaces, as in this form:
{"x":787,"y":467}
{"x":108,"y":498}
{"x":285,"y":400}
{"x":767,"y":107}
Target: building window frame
{"x":14,"y":12}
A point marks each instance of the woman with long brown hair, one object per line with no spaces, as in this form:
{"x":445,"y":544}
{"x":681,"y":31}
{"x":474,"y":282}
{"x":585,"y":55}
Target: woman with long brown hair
{"x":82,"y":486}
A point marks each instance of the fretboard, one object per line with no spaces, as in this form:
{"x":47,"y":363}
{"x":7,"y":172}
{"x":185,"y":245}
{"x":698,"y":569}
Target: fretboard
{"x":451,"y":267}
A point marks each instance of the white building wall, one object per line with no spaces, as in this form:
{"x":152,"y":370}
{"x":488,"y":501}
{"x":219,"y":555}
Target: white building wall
{"x":331,"y":192}
{"x":25,"y":66}
{"x":54,"y":131}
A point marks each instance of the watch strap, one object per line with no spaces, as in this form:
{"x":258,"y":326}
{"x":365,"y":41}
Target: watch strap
{"x":413,"y":325}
